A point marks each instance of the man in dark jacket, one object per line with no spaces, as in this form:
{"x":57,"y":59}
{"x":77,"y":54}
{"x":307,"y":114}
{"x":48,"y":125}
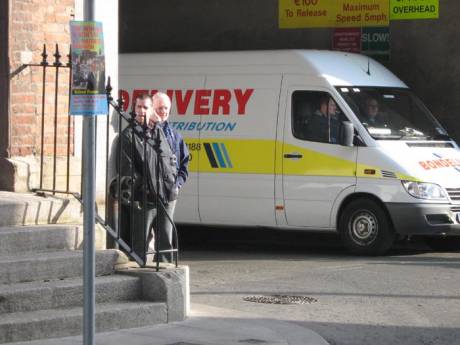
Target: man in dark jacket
{"x":137,"y":162}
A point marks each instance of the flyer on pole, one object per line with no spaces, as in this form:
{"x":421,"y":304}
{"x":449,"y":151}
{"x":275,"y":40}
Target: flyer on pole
{"x":88,"y":95}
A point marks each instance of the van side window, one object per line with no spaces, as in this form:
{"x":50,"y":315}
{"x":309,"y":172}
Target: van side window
{"x":315,"y":117}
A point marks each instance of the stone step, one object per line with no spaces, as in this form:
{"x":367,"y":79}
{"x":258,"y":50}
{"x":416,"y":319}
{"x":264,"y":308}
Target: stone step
{"x":39,"y":238}
{"x":24,"y":297}
{"x":29,"y":209}
{"x":53,"y":323}
{"x":53,"y":265}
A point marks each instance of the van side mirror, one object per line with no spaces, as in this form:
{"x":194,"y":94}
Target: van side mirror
{"x":347,"y":133}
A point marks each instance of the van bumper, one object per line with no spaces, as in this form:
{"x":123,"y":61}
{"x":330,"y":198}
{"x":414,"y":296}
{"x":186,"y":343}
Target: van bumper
{"x":425,"y":219}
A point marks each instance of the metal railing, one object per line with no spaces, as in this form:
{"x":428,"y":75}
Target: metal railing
{"x":57,"y":65}
{"x":116,"y":198}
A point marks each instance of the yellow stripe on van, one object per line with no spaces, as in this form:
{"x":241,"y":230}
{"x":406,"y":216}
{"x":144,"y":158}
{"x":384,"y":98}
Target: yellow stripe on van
{"x":316,"y":163}
{"x":237,"y":156}
{"x":259,"y":156}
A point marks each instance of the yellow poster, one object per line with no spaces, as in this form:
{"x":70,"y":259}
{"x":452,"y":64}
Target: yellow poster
{"x":337,"y":13}
{"x":414,"y":9}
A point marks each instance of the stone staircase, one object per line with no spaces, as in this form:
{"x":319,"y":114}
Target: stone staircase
{"x":41,"y":287}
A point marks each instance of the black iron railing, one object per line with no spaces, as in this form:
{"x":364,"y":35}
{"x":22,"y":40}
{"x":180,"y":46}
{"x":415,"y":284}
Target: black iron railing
{"x":118,"y":195}
{"x":58,"y":66}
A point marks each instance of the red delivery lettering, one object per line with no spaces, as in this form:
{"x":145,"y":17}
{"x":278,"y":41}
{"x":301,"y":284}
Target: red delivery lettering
{"x":183,"y":102}
{"x":202,"y":102}
{"x":221,"y":100}
{"x":206,"y":101}
{"x":124,"y":96}
{"x":242,"y":99}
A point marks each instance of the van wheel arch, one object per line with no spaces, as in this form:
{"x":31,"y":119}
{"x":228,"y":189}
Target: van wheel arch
{"x":385,"y":235}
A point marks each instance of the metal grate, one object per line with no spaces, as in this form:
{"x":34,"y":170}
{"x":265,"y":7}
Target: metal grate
{"x":454,"y":193}
{"x":388,"y":174}
{"x":280,"y":299}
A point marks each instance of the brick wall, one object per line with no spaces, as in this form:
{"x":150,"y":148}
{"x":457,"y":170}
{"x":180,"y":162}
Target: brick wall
{"x":32,"y":24}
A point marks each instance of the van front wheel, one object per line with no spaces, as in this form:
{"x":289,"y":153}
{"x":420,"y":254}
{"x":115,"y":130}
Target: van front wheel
{"x":365,"y":228}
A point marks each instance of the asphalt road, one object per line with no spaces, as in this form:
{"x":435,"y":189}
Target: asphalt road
{"x":410,"y":296}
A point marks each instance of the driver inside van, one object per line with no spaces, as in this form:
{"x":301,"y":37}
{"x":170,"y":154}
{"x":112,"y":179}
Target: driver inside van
{"x":372,"y":116}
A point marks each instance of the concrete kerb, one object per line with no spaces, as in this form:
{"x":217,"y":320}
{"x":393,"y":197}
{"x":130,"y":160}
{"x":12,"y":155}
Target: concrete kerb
{"x":169,"y":285}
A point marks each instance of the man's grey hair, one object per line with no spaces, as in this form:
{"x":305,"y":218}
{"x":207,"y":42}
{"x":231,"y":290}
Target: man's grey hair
{"x":162,"y":96}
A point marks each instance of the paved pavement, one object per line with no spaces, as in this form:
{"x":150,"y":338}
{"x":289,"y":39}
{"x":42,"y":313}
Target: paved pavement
{"x":206,"y":326}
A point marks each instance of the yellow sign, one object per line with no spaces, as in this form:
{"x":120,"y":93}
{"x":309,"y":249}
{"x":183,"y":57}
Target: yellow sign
{"x":414,"y":9}
{"x":337,"y":13}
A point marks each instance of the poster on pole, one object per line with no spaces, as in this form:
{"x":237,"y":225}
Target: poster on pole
{"x":88,"y":96}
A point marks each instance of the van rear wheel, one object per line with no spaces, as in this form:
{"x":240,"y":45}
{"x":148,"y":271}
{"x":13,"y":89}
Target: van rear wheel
{"x":365,"y":228}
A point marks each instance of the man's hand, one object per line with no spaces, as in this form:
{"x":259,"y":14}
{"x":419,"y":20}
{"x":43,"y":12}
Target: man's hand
{"x":154,"y":118}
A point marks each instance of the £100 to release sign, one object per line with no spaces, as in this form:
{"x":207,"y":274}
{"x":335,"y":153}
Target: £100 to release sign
{"x":337,"y":13}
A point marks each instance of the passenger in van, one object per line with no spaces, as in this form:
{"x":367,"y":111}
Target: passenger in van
{"x":372,"y":117}
{"x":324,"y":125}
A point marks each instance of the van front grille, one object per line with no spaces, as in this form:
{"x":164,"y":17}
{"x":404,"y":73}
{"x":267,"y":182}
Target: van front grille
{"x":454,"y":193}
{"x":388,"y":174}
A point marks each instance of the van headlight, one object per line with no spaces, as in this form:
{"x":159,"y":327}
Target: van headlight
{"x":424,"y":190}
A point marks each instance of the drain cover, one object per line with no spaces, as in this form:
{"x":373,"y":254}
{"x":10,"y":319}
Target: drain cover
{"x":252,"y":341}
{"x":281,"y":299}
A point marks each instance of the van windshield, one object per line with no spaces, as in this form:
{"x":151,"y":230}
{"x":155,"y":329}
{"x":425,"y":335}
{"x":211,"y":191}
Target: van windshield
{"x":392,"y":113}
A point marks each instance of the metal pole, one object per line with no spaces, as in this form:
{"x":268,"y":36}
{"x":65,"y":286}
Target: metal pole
{"x":89,"y":197}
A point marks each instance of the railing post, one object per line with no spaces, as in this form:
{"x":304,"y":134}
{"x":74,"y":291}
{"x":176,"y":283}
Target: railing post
{"x":43,"y":63}
{"x":69,"y":65}
{"x":57,"y":63}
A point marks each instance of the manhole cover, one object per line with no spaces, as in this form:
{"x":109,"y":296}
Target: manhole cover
{"x":252,"y":341}
{"x":281,"y":299}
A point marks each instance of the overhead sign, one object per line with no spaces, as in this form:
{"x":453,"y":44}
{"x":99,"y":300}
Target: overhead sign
{"x":347,"y":40}
{"x":414,"y":9}
{"x":338,"y":13}
{"x":88,"y":96}
{"x":375,"y":42}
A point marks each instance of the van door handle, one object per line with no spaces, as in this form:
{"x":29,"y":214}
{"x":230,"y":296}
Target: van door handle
{"x":293,"y":155}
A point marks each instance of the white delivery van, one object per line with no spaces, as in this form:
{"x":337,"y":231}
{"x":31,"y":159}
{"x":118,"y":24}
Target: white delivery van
{"x":267,"y":151}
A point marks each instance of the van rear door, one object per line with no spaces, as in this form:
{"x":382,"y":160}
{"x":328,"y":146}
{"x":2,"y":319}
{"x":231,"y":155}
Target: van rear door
{"x":237,"y":150}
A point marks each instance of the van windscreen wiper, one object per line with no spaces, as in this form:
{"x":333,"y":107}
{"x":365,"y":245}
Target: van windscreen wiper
{"x":440,"y":137}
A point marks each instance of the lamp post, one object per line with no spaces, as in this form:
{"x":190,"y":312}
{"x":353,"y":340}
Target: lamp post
{"x":89,"y":198}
